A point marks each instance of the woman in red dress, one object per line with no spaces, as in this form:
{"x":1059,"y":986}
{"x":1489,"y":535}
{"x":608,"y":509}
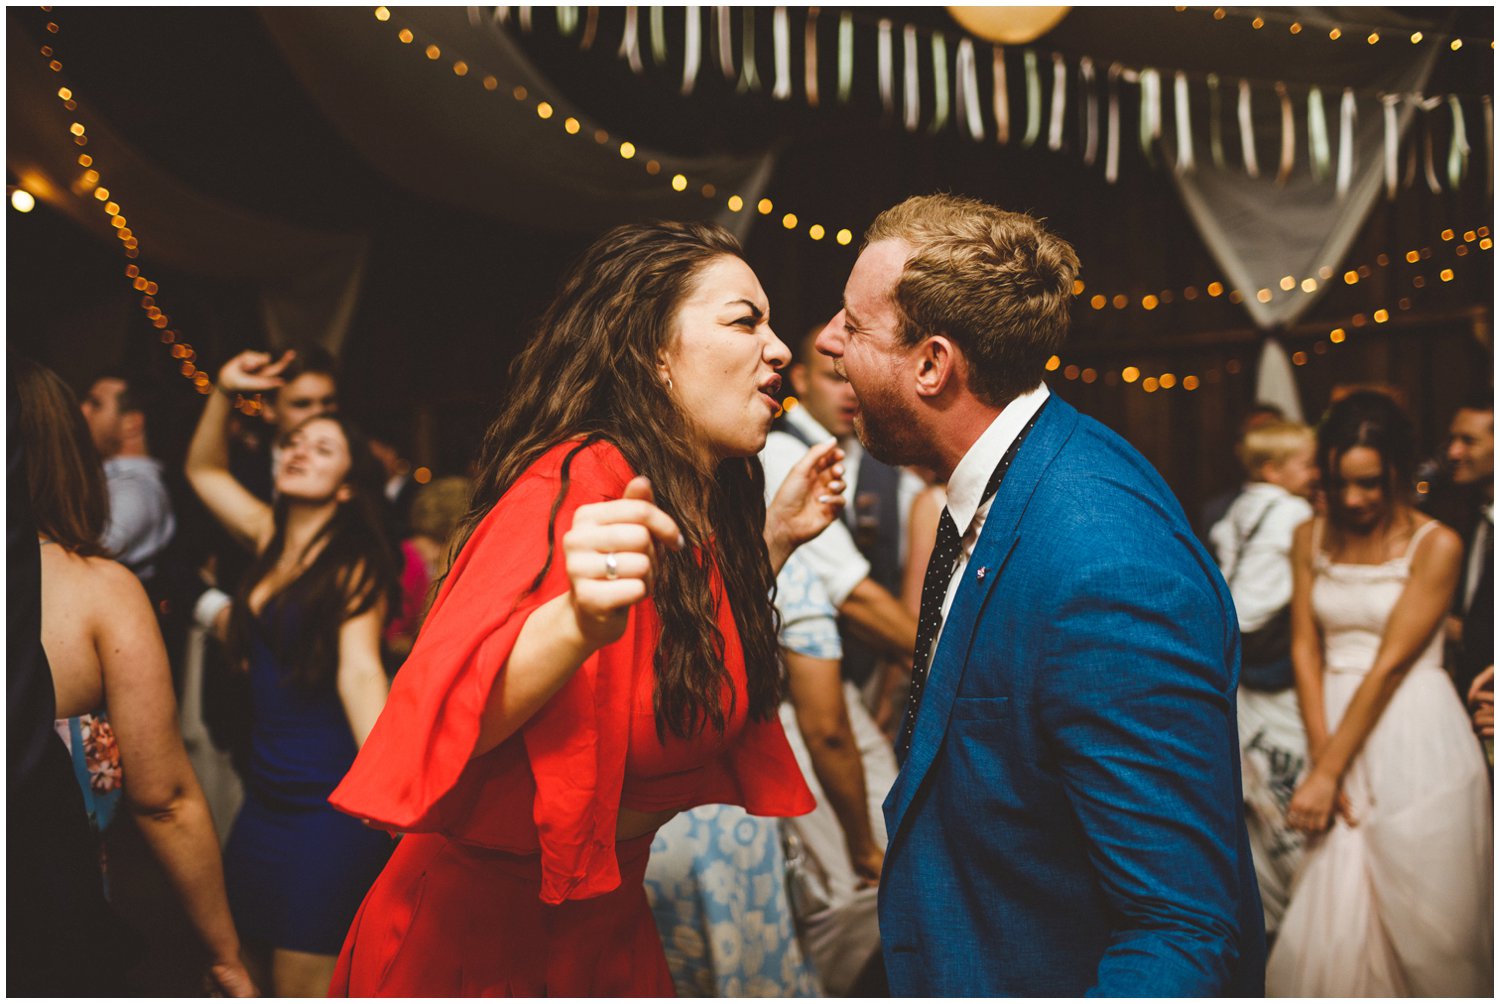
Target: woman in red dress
{"x":602,"y":654}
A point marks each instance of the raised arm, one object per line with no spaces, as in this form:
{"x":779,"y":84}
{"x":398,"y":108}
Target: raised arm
{"x":1307,"y":641}
{"x":1417,"y":615}
{"x":610,"y":553}
{"x":242,"y":514}
{"x":160,"y":788}
{"x":362,"y":683}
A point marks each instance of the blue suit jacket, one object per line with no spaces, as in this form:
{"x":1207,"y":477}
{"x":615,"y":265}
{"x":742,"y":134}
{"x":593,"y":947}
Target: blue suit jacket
{"x":1069,"y":818}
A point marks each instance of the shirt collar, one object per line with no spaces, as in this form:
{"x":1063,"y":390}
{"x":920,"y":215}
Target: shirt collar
{"x":966,"y":486}
{"x":803,"y":420}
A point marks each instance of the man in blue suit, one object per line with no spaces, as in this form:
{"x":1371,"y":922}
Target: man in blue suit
{"x":1067,"y":819}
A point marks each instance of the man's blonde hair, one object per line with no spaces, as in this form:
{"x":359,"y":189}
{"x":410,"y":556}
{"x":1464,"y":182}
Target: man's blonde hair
{"x":1273,"y":443}
{"x":996,"y":283}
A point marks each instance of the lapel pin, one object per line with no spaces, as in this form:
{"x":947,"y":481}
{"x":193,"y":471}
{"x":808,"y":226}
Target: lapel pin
{"x":981,"y":573}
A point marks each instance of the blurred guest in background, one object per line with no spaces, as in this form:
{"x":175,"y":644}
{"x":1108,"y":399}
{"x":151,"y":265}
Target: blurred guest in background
{"x":1471,"y":465}
{"x":306,"y":622}
{"x":1214,"y":509}
{"x":109,"y":666}
{"x":61,"y":936}
{"x":141,"y":523}
{"x":436,"y":511}
{"x":1253,"y":545}
{"x":860,"y":557}
{"x":1394,"y":899}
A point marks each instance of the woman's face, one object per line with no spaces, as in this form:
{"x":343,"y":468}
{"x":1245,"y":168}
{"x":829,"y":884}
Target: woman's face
{"x":722,"y":360}
{"x":1362,"y":492}
{"x":314,"y":463}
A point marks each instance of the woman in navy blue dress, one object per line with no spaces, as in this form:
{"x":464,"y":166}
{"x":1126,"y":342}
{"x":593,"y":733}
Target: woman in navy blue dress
{"x":306,"y":625}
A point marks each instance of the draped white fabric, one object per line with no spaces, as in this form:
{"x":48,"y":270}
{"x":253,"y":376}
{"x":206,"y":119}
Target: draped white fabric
{"x":1262,"y":229}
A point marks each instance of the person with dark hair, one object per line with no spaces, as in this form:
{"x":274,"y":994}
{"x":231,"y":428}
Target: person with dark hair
{"x":106,"y":652}
{"x":602,"y":654}
{"x":1394,"y":899}
{"x":1470,"y":457}
{"x":306,"y":625}
{"x":117,"y":409}
{"x":1067,"y":818}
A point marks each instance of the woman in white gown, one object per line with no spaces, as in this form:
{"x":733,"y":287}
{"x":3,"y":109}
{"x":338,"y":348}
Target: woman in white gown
{"x":1394,"y":899}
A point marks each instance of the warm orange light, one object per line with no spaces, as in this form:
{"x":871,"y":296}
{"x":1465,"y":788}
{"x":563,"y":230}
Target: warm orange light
{"x":736,"y":203}
{"x":653,"y":167}
{"x":543,"y":110}
{"x":1077,"y":286}
{"x":1288,"y":283}
{"x":1121,"y":301}
{"x":1264,"y":296}
{"x":405,"y":36}
{"x":627,"y":149}
{"x":1351,"y":277}
{"x":382,"y":14}
{"x":1215,"y":289}
{"x":1335,"y":34}
{"x":1098,"y":301}
{"x":461,"y":69}
{"x":571,"y":126}
{"x":1130,"y":374}
{"x":1168,"y":381}
{"x":1446,"y":275}
{"x":1337,"y":335}
{"x":433,"y":52}
{"x":1299,"y":358}
{"x":789,"y":221}
{"x":764,"y":207}
{"x":844,"y":237}
{"x":1309,"y":285}
{"x":421,"y":475}
{"x":1189,"y":383}
{"x":1053,"y":363}
{"x":491,"y":84}
{"x":679,"y":183}
{"x":1090,"y":375}
{"x":816,"y":231}
{"x":1150,"y":385}
{"x":1149,"y":302}
{"x":1382,"y":315}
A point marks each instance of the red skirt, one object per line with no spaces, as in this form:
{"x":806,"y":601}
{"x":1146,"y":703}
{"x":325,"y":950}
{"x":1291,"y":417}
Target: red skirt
{"x":447,"y":919}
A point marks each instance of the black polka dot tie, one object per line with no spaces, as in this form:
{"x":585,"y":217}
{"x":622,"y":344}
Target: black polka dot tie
{"x":940,"y":568}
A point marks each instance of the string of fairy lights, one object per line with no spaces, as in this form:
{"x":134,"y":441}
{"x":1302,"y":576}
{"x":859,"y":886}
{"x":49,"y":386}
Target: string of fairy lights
{"x":1372,"y":34}
{"x":1479,"y":237}
{"x":91,"y":181}
{"x":1336,"y":336}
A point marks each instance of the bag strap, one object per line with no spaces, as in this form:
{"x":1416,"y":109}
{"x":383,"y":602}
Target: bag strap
{"x":1239,"y":550}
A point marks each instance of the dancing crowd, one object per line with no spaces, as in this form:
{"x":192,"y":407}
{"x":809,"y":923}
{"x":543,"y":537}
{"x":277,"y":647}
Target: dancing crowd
{"x":921,"y":685}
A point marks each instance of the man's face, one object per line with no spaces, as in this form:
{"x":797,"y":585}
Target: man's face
{"x":308,"y":395}
{"x":827,"y":396}
{"x":1471,"y":446}
{"x":862,"y":341}
{"x":101,"y":411}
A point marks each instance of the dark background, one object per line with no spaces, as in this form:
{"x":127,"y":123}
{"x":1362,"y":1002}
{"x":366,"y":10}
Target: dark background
{"x":449,"y":297}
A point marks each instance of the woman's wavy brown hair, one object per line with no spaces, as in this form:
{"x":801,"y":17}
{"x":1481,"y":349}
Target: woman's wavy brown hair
{"x":64,"y":479}
{"x":591,"y":371}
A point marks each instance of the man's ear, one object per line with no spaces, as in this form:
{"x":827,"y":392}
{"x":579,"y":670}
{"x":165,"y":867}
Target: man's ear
{"x":797,"y":374}
{"x":938,"y":361}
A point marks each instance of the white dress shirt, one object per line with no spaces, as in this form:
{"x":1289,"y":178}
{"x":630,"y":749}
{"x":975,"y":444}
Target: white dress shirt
{"x":966,"y":486}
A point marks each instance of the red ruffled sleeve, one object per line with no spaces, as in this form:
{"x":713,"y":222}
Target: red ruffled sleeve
{"x":416,"y":771}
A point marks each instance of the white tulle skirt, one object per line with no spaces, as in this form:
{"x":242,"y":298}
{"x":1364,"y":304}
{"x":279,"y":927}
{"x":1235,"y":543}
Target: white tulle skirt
{"x":1399,"y":904}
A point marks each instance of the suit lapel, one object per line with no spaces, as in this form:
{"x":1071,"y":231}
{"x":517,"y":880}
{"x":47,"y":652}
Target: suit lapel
{"x":992,"y":552}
